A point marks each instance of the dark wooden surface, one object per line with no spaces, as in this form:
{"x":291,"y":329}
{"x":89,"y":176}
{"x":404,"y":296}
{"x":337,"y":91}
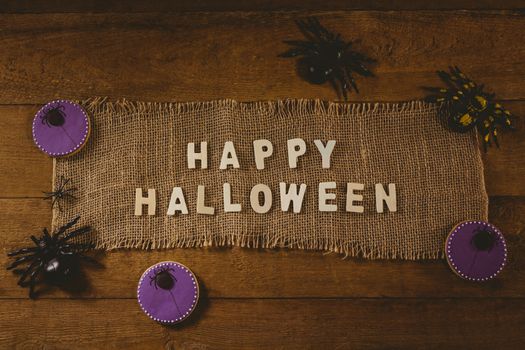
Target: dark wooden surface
{"x":200,"y":50}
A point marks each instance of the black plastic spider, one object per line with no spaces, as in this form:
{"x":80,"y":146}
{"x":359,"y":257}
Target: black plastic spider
{"x":53,"y":257}
{"x":54,"y":116}
{"x":61,"y":193}
{"x":163,"y":279}
{"x":484,"y":239}
{"x":468,"y":106}
{"x":326,"y":57}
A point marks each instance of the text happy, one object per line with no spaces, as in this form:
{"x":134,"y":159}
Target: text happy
{"x":291,"y":195}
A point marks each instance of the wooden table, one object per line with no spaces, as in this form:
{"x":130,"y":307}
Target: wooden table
{"x":272,"y":299}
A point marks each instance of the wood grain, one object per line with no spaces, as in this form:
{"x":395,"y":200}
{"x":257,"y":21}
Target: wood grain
{"x":53,"y":6}
{"x":264,"y":273}
{"x":269,"y":324}
{"x":274,"y":299}
{"x":202,"y":56}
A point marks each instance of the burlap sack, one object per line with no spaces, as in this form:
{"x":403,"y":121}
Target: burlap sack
{"x":438,"y":173}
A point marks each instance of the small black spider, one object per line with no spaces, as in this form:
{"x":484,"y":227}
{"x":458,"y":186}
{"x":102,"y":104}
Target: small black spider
{"x":326,"y":57}
{"x":54,"y":116}
{"x":53,"y":257}
{"x":61,"y":193}
{"x":484,"y":239}
{"x":468,"y":106}
{"x":163,"y":278}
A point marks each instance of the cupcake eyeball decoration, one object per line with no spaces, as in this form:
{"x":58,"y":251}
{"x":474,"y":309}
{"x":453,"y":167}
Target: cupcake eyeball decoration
{"x":476,"y":250}
{"x":168,"y":292}
{"x":61,"y":128}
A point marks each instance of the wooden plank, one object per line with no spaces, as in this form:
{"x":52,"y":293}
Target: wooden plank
{"x":505,"y":167}
{"x":240,"y":272}
{"x":26,"y":172}
{"x":202,"y":56}
{"x":268,"y":324}
{"x":51,"y":6}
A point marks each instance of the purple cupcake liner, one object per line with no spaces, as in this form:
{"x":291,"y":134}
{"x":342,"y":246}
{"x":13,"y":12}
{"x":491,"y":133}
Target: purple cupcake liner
{"x":60,"y":128}
{"x":172,"y":305}
{"x":476,"y":250}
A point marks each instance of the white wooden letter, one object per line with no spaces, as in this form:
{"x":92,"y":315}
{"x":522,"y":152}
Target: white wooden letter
{"x":150,"y":201}
{"x":262,"y":149}
{"x":201,"y":206}
{"x":229,"y":157}
{"x":193,"y":156}
{"x":326,"y":151}
{"x":324,"y":196}
{"x":229,"y":207}
{"x":177,"y":202}
{"x":390,"y":198}
{"x":267,"y":198}
{"x":292,"y":196}
{"x":351,"y":197}
{"x":296,"y":148}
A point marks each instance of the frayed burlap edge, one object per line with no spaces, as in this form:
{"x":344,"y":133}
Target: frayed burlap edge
{"x":283,"y":109}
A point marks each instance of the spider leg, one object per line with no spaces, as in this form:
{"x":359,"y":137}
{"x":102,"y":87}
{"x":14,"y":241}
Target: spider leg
{"x":359,"y":68}
{"x":69,"y":195}
{"x":461,"y":80}
{"x":69,"y":190}
{"x":294,"y":52}
{"x":23,"y":251}
{"x":32,"y":281}
{"x":66,"y":227}
{"x":447,"y":78}
{"x":344,"y":86}
{"x":436,"y":94}
{"x":20,"y":261}
{"x":64,"y":181}
{"x":321,"y":30}
{"x":495,"y":136}
{"x":36,"y":240}
{"x":75,"y":233}
{"x":78,"y":246}
{"x":314,"y":28}
{"x":485,"y":135}
{"x":490,"y":125}
{"x":350,"y":78}
{"x":153,"y":282}
{"x":48,"y":195}
{"x":307,"y":45}
{"x":27,"y":272}
{"x":303,"y":28}
{"x":335,"y":86}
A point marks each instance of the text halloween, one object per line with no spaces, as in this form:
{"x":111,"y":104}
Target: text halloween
{"x":261,"y":196}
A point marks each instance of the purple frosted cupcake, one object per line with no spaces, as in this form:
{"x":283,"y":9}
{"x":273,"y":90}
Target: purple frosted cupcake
{"x":61,"y":128}
{"x":168,"y":292}
{"x":476,"y":250}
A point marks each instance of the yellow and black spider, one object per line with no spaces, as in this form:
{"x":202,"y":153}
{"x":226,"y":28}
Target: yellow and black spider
{"x":468,"y":106}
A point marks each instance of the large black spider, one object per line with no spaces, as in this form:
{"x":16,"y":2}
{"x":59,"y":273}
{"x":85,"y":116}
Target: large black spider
{"x":326,"y":57}
{"x":468,"y":106}
{"x":53,"y":257}
{"x":54,"y":116}
{"x":61,"y":193}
